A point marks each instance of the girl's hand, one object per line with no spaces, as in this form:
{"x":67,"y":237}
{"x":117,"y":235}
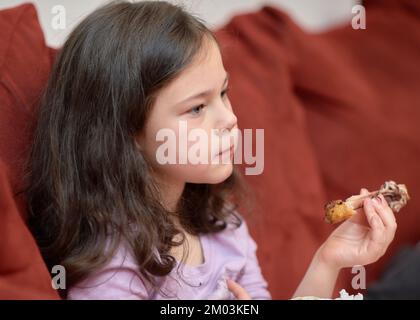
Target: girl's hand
{"x":362,"y":239}
{"x":239,"y":292}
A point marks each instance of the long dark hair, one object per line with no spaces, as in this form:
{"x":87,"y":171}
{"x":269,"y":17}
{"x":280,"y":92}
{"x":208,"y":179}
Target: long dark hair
{"x":88,"y":183}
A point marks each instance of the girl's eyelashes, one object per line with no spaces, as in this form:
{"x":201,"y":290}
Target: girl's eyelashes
{"x":196,"y":111}
{"x":225,"y":92}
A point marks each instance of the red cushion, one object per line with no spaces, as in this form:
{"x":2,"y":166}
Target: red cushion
{"x":25,"y":63}
{"x":23,"y":274}
{"x":287,"y":222}
{"x":24,"y":67}
{"x":360,"y":92}
{"x":340,"y":112}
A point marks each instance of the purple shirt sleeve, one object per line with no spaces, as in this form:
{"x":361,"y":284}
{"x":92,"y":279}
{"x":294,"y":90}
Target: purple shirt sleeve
{"x":118,"y":280}
{"x":251,"y":279}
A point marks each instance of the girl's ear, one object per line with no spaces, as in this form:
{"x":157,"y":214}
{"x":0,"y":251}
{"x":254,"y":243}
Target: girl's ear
{"x":138,"y":140}
{"x":138,"y":145}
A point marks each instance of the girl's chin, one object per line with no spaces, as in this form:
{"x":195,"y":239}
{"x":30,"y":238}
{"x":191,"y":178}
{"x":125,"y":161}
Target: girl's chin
{"x":219,"y":173}
{"x":213,"y":174}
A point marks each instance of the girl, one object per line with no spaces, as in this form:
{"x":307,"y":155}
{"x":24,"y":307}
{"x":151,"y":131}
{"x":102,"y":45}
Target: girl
{"x":126,"y":226}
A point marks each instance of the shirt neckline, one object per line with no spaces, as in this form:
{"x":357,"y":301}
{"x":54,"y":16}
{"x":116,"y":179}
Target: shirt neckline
{"x":206,"y":248}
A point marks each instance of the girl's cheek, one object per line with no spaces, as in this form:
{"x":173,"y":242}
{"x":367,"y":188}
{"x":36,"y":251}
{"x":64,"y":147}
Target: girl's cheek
{"x":193,"y":138}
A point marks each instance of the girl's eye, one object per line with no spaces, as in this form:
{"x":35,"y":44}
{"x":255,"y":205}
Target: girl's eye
{"x":196,"y":110}
{"x":224,"y":92}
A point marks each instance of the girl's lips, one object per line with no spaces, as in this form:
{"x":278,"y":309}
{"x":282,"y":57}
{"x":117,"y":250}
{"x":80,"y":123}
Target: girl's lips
{"x":221,"y":152}
{"x":231,"y":151}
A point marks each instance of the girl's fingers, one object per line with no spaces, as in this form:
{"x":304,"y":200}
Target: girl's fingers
{"x":385,"y":212}
{"x":360,"y":218}
{"x":364,"y":191}
{"x":239,"y":292}
{"x":377,"y":232}
{"x":387,"y":216}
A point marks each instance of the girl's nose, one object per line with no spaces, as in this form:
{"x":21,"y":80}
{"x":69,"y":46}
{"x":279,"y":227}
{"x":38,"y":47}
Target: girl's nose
{"x":226,"y":118}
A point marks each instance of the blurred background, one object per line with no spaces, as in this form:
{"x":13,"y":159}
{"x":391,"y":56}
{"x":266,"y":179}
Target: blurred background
{"x":313,"y":15}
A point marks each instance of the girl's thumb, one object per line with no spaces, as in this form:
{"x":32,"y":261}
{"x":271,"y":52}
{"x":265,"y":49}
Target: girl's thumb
{"x":364,"y":191}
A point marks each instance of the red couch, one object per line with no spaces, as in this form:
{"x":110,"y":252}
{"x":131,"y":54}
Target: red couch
{"x":339,"y":110}
{"x":25,"y":63}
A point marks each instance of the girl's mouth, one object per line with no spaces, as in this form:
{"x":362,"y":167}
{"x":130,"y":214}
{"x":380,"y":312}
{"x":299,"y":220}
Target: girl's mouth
{"x":231,"y":151}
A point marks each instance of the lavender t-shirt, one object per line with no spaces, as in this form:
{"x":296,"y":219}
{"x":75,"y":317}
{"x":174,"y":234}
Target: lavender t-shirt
{"x":230,"y":253}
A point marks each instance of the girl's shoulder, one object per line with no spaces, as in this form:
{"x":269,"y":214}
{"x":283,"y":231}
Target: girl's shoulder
{"x":119,"y":279}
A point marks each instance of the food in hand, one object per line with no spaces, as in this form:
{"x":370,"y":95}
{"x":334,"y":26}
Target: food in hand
{"x":396,"y":195}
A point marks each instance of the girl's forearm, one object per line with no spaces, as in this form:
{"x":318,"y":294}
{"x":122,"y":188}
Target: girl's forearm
{"x":319,"y":280}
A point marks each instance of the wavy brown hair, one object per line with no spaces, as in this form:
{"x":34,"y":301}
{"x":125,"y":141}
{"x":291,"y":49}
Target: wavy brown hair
{"x":88,"y":183}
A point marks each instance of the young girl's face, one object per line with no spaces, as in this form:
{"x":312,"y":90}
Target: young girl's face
{"x":196,"y":99}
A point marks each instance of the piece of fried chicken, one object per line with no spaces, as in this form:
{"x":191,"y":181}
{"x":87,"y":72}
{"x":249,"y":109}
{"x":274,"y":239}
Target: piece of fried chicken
{"x":338,"y":210}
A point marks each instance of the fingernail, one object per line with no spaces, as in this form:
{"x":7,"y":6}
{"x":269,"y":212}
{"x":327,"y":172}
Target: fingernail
{"x":383,"y":200}
{"x":376,"y":200}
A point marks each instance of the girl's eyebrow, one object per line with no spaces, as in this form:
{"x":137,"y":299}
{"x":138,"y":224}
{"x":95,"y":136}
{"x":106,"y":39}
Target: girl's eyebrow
{"x":204,"y":93}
